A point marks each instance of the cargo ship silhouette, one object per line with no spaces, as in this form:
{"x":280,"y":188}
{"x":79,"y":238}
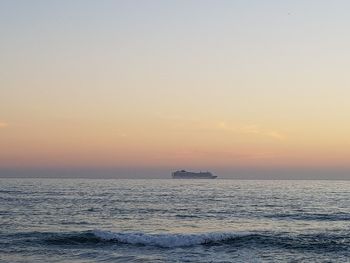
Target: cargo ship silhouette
{"x":192,"y":175}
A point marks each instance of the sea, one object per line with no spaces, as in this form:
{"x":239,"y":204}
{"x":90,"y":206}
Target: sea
{"x":88,"y":220}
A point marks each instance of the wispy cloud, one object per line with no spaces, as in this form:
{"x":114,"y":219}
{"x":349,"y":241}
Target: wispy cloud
{"x":276,"y":135}
{"x":3,"y":124}
{"x":215,"y":155}
{"x":251,"y":129}
{"x":182,"y":123}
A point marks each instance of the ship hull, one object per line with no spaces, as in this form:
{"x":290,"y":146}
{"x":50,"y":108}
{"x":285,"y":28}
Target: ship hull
{"x":194,"y":177}
{"x":191,"y":175}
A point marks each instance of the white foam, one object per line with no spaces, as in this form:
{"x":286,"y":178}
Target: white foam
{"x":166,"y":239}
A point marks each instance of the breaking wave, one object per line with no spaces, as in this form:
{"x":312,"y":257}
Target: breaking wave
{"x":333,"y":242}
{"x":166,"y":240}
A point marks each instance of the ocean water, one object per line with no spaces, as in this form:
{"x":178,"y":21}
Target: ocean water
{"x":49,"y":220}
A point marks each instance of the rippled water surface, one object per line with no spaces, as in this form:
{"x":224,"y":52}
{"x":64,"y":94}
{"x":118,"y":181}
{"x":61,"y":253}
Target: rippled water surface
{"x":47,"y":220}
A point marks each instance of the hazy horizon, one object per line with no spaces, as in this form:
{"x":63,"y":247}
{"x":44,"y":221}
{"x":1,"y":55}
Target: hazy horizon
{"x":245,"y":89}
{"x":164,"y":173}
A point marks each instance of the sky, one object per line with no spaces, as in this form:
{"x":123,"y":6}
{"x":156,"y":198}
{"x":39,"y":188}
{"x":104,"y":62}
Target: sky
{"x":248,"y":89}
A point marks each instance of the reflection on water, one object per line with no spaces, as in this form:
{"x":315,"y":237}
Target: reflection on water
{"x":173,"y":220}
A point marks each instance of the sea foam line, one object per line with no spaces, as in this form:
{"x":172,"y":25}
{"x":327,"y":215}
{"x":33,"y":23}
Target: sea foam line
{"x":166,"y":239}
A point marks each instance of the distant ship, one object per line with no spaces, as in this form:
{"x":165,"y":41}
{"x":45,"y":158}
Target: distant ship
{"x":192,"y":175}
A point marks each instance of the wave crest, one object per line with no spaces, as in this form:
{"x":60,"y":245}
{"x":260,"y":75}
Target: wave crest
{"x":167,"y":239}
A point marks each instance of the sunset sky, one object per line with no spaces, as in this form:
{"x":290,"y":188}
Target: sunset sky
{"x":211,"y":85}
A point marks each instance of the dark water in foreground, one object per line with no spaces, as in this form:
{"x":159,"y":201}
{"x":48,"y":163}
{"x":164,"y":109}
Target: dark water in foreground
{"x":46,"y":220}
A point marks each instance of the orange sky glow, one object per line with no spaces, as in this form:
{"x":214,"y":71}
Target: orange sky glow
{"x":181,"y":84}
